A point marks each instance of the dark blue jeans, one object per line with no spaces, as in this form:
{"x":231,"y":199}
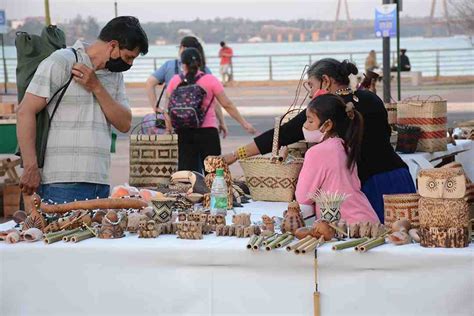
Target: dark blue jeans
{"x":70,"y":191}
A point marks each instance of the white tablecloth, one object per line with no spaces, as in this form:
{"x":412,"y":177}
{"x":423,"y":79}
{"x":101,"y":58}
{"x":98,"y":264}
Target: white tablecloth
{"x":218,"y":276}
{"x":422,"y":160}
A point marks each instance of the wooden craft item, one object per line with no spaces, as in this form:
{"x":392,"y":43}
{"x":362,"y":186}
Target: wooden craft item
{"x":189,"y":230}
{"x":365,"y":229}
{"x":258,"y":243}
{"x":13,"y":237}
{"x":400,"y":237}
{"x":19,"y":216}
{"x":302,"y":232}
{"x":453,"y":237}
{"x":32,"y":234}
{"x":350,"y":244}
{"x":438,"y":183}
{"x":415,"y":234}
{"x":292,"y":218}
{"x":268,"y":223}
{"x":4,"y":233}
{"x":89,"y":205}
{"x":372,"y":244}
{"x":274,"y":243}
{"x":112,"y":226}
{"x":239,"y":231}
{"x":445,"y":213}
{"x":354,"y":230}
{"x":323,"y":229}
{"x":309,"y":242}
{"x":151,"y":229}
{"x":134,"y":220}
{"x":34,"y":220}
{"x":241,"y":219}
{"x":220,"y":219}
{"x":251,"y":230}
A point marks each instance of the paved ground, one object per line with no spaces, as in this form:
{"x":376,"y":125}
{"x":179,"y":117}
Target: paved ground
{"x":261,"y":104}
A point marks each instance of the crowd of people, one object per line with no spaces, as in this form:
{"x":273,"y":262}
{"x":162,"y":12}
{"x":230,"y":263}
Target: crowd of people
{"x":352,"y":152}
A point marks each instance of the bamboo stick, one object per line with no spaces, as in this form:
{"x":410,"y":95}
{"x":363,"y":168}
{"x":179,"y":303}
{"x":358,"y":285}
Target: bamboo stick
{"x":375,"y":243}
{"x":301,"y":247}
{"x":257,"y":244}
{"x":364,"y":243}
{"x":309,"y":247}
{"x":338,"y":229}
{"x":275,"y":242}
{"x":82,"y":236}
{"x":299,"y":243}
{"x":270,"y":239}
{"x":284,"y":241}
{"x":58,"y":237}
{"x":349,"y":244}
{"x":252,"y":241}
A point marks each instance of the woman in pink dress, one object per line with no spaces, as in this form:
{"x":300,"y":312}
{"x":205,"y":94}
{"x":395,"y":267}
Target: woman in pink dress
{"x":330,"y":165}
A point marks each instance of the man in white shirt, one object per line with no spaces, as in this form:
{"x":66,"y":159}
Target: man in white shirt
{"x":77,"y":159}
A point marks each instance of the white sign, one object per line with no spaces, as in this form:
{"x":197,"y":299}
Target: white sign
{"x":3,"y":22}
{"x":386,"y":20}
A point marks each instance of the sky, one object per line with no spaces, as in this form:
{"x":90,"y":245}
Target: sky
{"x":185,"y":10}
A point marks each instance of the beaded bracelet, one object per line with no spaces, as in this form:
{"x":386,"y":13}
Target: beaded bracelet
{"x":242,"y":153}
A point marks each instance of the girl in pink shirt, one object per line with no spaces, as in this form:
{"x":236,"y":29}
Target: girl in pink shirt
{"x":195,"y":144}
{"x":330,"y":165}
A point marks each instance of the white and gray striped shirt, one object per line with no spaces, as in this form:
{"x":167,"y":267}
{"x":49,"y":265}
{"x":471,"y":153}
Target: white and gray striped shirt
{"x":79,"y":140}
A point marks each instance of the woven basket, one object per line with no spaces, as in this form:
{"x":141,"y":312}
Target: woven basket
{"x":392,"y":112}
{"x":430,"y":116}
{"x":153,"y":159}
{"x":408,"y":137}
{"x":398,"y":206}
{"x":270,"y":179}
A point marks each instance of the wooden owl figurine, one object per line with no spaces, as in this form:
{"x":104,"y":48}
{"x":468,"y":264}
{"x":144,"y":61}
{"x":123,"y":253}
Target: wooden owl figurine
{"x":293,"y":219}
{"x":444,"y":183}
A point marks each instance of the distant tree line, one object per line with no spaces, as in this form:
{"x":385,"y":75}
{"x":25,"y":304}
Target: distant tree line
{"x":228,"y":29}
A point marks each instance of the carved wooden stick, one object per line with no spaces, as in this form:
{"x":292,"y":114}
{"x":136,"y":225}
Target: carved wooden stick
{"x":89,"y":205}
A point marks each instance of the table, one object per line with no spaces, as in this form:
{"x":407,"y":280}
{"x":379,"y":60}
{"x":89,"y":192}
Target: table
{"x":218,"y":276}
{"x":422,"y":160}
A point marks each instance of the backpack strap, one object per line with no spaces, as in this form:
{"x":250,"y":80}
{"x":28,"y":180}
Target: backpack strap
{"x":176,"y":69}
{"x":62,"y":91}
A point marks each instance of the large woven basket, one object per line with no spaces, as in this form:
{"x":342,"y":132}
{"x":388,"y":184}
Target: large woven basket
{"x":431,"y":116}
{"x":270,"y":179}
{"x":398,"y":206}
{"x":153,"y":159}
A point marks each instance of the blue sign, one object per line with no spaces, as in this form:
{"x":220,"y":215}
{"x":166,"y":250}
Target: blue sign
{"x":386,"y":20}
{"x":3,"y":22}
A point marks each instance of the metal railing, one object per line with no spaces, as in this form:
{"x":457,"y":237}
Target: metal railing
{"x":433,"y":62}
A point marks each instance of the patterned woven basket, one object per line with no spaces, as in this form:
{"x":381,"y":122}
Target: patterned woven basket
{"x":430,"y":116}
{"x":392,"y":112}
{"x":270,"y":179}
{"x":398,"y":206}
{"x":153,"y":159}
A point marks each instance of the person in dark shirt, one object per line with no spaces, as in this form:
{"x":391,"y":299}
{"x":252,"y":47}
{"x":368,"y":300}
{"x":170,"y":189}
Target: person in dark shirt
{"x":404,"y":62}
{"x":380,"y":169}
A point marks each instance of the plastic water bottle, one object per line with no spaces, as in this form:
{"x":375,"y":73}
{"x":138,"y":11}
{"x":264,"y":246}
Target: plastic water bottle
{"x":219,"y":194}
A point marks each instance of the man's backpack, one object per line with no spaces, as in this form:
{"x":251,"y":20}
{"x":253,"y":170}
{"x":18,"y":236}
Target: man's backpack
{"x":185,"y":106}
{"x":31,"y":51}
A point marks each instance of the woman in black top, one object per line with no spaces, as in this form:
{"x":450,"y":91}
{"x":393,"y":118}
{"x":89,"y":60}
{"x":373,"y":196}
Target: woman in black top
{"x":381,"y":170}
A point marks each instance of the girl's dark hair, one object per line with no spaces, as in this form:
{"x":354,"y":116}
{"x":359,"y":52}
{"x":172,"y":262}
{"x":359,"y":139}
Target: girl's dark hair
{"x":333,"y":68}
{"x":127,"y":31}
{"x":192,"y":59}
{"x":332,"y":107}
{"x":193,"y":42}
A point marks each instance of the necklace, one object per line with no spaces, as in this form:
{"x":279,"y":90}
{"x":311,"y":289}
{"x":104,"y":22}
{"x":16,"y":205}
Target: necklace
{"x":347,"y":91}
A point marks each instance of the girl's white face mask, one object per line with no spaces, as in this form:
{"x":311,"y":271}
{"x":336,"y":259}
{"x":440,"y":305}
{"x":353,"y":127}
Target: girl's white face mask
{"x":315,"y":136}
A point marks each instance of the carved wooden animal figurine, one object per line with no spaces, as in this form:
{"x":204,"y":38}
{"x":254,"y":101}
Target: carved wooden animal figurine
{"x":220,"y":230}
{"x":211,"y":219}
{"x":152,"y":230}
{"x":268,"y":223}
{"x":239,"y":231}
{"x":342,"y":225}
{"x":354,"y":230}
{"x":241,"y":219}
{"x":133,"y":221}
{"x":112,"y":226}
{"x":292,"y":218}
{"x":322,"y":229}
{"x":220,"y":219}
{"x":251,"y":230}
{"x":377,"y":230}
{"x":365,"y":229}
{"x":182,"y":216}
{"x":439,"y":183}
{"x":231,"y":231}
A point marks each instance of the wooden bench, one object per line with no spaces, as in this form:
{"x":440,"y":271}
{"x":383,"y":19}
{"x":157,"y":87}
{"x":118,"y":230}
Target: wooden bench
{"x":415,"y":76}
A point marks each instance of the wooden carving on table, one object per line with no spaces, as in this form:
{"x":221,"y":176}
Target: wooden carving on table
{"x":292,"y":218}
{"x":148,"y":229}
{"x":35,"y":219}
{"x":104,"y":204}
{"x":241,"y":219}
{"x":113,"y":225}
{"x":444,"y":212}
{"x":189,"y":230}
